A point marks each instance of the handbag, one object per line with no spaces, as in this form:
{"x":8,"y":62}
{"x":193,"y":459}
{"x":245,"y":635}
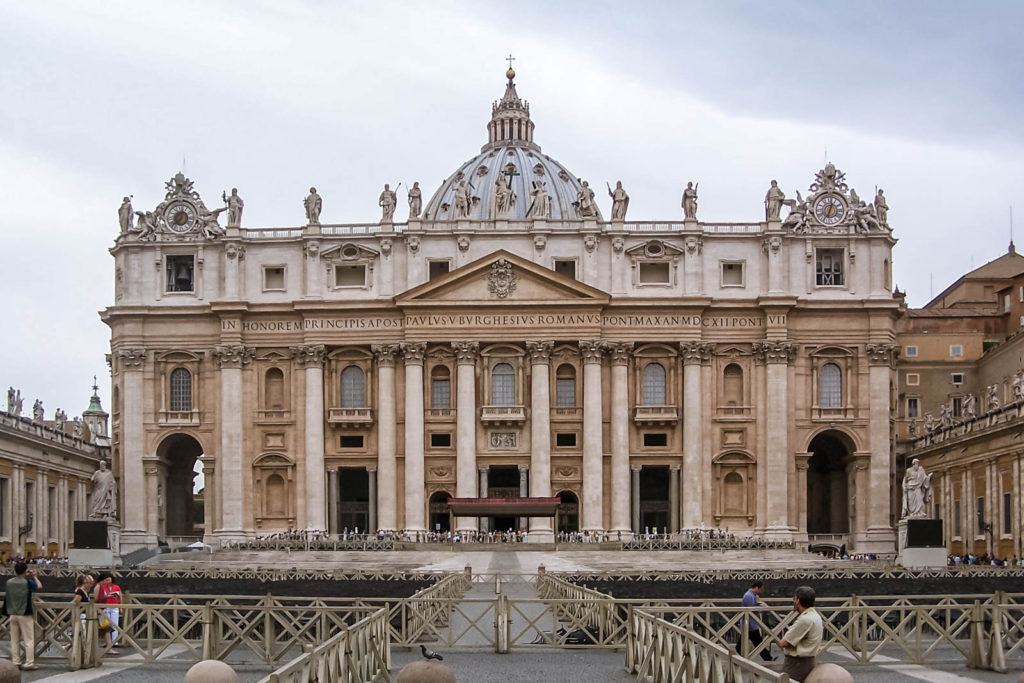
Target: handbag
{"x":103,"y":623}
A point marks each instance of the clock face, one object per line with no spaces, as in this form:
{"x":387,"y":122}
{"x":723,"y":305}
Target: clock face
{"x":180,"y":217}
{"x":829,"y":210}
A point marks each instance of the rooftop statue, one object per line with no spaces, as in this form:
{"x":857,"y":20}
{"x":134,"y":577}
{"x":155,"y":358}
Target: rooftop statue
{"x":59,"y":418}
{"x":881,"y":208}
{"x":462,"y":200}
{"x":585,"y":201}
{"x":415,"y":200}
{"x":387,"y":201}
{"x":125,"y":217}
{"x":993,"y":399}
{"x":37,"y":411}
{"x":690,"y":201}
{"x":930,"y":423}
{"x":1018,"y":386}
{"x":147,"y":224}
{"x":917,"y":491}
{"x":540,"y":204}
{"x":503,"y":200}
{"x":313,"y":204}
{"x":234,"y":204}
{"x":797,"y":218}
{"x":773,"y":202}
{"x":620,"y":201}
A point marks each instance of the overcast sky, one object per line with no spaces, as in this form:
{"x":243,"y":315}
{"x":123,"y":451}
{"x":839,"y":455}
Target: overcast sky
{"x":103,"y":99}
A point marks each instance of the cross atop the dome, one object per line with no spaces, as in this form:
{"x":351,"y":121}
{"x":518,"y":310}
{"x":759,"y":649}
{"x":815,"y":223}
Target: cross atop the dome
{"x":510,"y":74}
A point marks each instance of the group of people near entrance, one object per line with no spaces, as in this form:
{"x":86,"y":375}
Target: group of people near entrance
{"x":802,"y":639}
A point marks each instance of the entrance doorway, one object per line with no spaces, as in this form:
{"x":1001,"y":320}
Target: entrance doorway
{"x":440,"y":519}
{"x":182,"y":512}
{"x":654,"y":505}
{"x":354,"y":499}
{"x":568,"y":513}
{"x":503,"y":482}
{"x":828,"y":500}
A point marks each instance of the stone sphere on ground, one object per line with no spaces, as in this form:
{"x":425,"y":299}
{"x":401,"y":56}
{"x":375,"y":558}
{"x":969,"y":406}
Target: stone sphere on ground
{"x":9,"y":672}
{"x":829,"y":673}
{"x":425,"y":672}
{"x":211,"y":671}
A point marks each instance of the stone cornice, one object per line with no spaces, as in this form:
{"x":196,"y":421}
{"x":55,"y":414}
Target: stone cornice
{"x":233,"y":355}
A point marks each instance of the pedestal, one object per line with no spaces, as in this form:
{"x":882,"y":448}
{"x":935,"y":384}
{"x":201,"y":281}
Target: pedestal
{"x":923,"y":558}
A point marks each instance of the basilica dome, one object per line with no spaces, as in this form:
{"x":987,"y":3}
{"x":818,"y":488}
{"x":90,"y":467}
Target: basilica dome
{"x":511,"y":179}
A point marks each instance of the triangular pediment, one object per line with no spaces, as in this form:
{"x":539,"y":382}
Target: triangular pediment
{"x":502,"y":278}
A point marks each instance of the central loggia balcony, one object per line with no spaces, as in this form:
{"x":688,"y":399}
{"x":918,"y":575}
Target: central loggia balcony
{"x":502,"y":415}
{"x":349,"y":418}
{"x":655,"y":415}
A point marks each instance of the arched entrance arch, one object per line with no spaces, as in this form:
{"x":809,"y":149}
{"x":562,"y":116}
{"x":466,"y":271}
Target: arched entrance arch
{"x":829,"y":505}
{"x":568,"y":513}
{"x":182,"y":513}
{"x":440,"y":520}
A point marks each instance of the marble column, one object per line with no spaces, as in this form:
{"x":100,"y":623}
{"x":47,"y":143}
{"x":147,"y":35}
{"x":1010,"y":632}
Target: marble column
{"x":414,"y":466}
{"x":777,"y":355}
{"x":673,"y":498}
{"x":482,"y":488}
{"x":62,"y":515}
{"x":541,"y":530}
{"x":312,"y":359}
{"x":135,"y":535}
{"x":524,"y":491}
{"x":695,"y":469}
{"x":634,"y":471}
{"x":332,"y":501}
{"x":465,"y":440}
{"x":619,"y":353}
{"x":42,"y":523}
{"x":372,"y":525}
{"x":802,"y":459}
{"x":882,"y":361}
{"x":593,"y":461}
{"x":153,"y":513}
{"x":210,"y":501}
{"x":386,"y":498}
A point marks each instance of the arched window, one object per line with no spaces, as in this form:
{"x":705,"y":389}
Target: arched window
{"x":654,"y":385}
{"x":274,"y":389}
{"x":503,"y":385}
{"x":440,"y":388}
{"x":181,"y":390}
{"x":353,"y":387}
{"x":565,"y":386}
{"x":830,"y":386}
{"x":275,"y":496}
{"x":733,"y":385}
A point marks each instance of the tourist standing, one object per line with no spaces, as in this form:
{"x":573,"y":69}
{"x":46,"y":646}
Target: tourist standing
{"x":752,"y":598}
{"x":18,"y":606}
{"x":108,"y":594}
{"x":803,"y":639}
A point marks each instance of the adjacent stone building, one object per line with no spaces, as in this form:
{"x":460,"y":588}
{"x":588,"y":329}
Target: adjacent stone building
{"x":508,"y":341}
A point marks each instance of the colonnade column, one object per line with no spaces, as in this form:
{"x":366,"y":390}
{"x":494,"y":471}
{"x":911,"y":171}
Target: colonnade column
{"x":802,"y":459}
{"x":414,"y":482}
{"x":154,"y":511}
{"x":332,"y":501}
{"x":541,"y":530}
{"x":385,"y":498}
{"x":63,"y":526}
{"x":131,"y":363}
{"x":593,"y":466}
{"x":879,"y":536}
{"x":312,"y":358}
{"x":465,"y":433}
{"x":230,"y":359}
{"x":619,"y":354}
{"x":482,"y":492}
{"x":694,"y":354}
{"x":371,"y":476}
{"x":42,"y":523}
{"x":777,"y":355}
{"x":635,"y":497}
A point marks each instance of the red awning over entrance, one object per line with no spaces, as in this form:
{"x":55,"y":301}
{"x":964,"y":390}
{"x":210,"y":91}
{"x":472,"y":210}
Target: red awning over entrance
{"x":515,"y":507}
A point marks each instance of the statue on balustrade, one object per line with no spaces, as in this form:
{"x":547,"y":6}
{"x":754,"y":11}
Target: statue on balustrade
{"x":773,"y":202}
{"x":585,"y":201}
{"x":917,"y":491}
{"x":235,"y":206}
{"x":993,"y":398}
{"x":930,"y":423}
{"x":1018,"y":386}
{"x":690,"y":201}
{"x":620,"y":201}
{"x":37,"y":411}
{"x":125,"y":217}
{"x":387,"y":202}
{"x":313,"y":204}
{"x":970,"y":408}
{"x":415,"y":200}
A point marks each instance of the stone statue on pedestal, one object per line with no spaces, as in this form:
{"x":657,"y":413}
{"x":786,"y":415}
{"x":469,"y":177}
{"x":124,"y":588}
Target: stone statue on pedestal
{"x":585,"y":201}
{"x":881,"y":208}
{"x":313,"y":204}
{"x":462,"y":200}
{"x":387,"y":202}
{"x":993,"y":399}
{"x":773,"y":202}
{"x":37,"y":411}
{"x":415,"y":200}
{"x":540,"y":205}
{"x":125,"y":217}
{"x":235,"y":205}
{"x":690,"y":201}
{"x":970,"y":407}
{"x":103,"y":504}
{"x":620,"y":201}
{"x":917,"y":491}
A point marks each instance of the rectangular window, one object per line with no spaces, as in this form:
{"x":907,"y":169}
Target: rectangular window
{"x":273,"y":278}
{"x":566,"y":267}
{"x":910,"y":351}
{"x":654,"y":274}
{"x":913,"y":379}
{"x":655,"y":440}
{"x":565,"y":392}
{"x":732,"y":273}
{"x":350,"y":441}
{"x":1007,"y":513}
{"x":565,"y":439}
{"x":956,"y":350}
{"x":958,"y":406}
{"x":957,"y":378}
{"x":436,"y":269}
{"x":441,"y":394}
{"x":350,"y":276}
{"x":441,"y":440}
{"x":828,"y":269}
{"x":913,"y":407}
{"x":180,"y":273}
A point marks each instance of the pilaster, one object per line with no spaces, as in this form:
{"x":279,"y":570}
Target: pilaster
{"x":413,"y":353}
{"x":311,"y":357}
{"x":777,"y":355}
{"x":385,"y":499}
{"x":695,"y":469}
{"x":880,"y":536}
{"x":131,"y":363}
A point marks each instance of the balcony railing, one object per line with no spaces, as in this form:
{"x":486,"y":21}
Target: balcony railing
{"x":440,"y":413}
{"x":500,"y":415}
{"x":271,"y":416}
{"x":179,"y":417}
{"x":734,"y":411}
{"x":350,"y":417}
{"x":566,"y":412}
{"x":655,"y":415}
{"x":844,"y":413}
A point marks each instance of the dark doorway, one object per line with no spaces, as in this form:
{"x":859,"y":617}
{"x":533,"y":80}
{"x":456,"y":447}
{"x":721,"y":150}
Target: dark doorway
{"x":654,"y":507}
{"x":828,"y":500}
{"x":440,"y":519}
{"x":354,"y":499}
{"x":503,"y":482}
{"x":568,"y":513}
{"x":179,"y":454}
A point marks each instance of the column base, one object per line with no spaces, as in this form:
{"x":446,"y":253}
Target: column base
{"x":224,"y":537}
{"x":135,"y":539}
{"x":779,"y":533}
{"x":877,"y":540}
{"x":465,"y":525}
{"x":624,"y":535}
{"x":540,"y":536}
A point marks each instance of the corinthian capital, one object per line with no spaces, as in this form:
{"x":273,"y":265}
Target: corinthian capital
{"x":591,"y":350}
{"x":131,"y":359}
{"x":414,"y":352}
{"x":540,"y":351}
{"x":774,"y":351}
{"x":233,"y":355}
{"x":466,"y":352}
{"x":696,"y":352}
{"x":385,"y":354}
{"x":619,"y":352}
{"x":882,"y":354}
{"x":308,"y":355}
